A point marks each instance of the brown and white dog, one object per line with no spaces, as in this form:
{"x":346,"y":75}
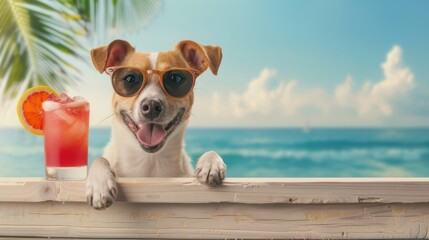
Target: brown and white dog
{"x":151,"y":114}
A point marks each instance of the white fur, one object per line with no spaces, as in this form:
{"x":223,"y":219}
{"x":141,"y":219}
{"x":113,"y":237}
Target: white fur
{"x":153,"y":58}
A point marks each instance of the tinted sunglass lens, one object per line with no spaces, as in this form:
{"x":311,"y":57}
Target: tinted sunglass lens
{"x":178,"y":83}
{"x":127,"y":81}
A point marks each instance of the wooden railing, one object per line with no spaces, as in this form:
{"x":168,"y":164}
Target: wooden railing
{"x":334,"y":208}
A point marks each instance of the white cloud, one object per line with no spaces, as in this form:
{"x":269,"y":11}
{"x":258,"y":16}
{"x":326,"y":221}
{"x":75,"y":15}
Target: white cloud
{"x":285,"y":98}
{"x":257,"y":98}
{"x":377,"y":98}
{"x":288,"y":103}
{"x":343,"y":93}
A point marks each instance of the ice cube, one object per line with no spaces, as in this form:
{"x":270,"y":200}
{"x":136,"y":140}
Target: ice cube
{"x":52,"y":97}
{"x":78,"y":98}
{"x":71,"y":106}
{"x":50,"y":105}
{"x":64,"y":116}
{"x":77,"y":103}
{"x":64,"y":98}
{"x":77,"y":130}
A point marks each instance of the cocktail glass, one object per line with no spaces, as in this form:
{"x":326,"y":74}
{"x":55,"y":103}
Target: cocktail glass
{"x":65,"y":130}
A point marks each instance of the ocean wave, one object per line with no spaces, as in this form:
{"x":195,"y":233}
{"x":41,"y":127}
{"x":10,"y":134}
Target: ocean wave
{"x":315,"y":145}
{"x":265,"y":153}
{"x":321,"y":155}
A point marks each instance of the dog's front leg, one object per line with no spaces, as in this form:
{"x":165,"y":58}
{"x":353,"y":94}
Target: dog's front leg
{"x":101,"y":187}
{"x":210,"y":169}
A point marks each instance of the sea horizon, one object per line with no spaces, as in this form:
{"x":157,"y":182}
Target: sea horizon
{"x":263,"y":152}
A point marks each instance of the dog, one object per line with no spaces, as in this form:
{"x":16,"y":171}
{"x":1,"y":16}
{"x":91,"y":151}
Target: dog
{"x":152,"y":104}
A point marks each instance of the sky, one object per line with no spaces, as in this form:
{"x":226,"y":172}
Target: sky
{"x":291,"y":63}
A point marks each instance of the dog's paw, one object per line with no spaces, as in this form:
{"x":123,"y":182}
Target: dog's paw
{"x":210,"y":169}
{"x":101,"y":189}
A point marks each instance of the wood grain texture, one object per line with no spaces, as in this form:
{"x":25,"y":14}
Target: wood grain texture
{"x":234,"y":190}
{"x":241,"y":208}
{"x":216,"y":220}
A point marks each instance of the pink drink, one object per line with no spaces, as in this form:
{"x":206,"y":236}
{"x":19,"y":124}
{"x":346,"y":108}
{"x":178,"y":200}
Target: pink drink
{"x":66,"y":123}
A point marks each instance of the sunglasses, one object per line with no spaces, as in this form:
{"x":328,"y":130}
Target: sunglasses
{"x":129,"y":81}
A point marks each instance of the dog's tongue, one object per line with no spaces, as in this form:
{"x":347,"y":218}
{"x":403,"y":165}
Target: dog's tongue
{"x":151,"y":134}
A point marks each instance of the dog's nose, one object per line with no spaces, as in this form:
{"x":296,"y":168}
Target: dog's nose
{"x":152,"y":108}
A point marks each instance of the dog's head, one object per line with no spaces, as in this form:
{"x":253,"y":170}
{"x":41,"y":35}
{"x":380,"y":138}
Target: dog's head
{"x":151,"y":95}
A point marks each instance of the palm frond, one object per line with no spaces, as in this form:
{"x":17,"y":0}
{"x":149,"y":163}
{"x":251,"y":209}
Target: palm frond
{"x":40,"y":38}
{"x":35,"y":46}
{"x":100,"y":18}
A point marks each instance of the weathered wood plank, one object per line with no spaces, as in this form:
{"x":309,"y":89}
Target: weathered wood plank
{"x":334,"y":208}
{"x":252,"y":191}
{"x":216,"y":220}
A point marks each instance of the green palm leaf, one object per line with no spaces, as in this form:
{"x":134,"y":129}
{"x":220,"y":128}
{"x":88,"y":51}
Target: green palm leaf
{"x":33,"y":42}
{"x":39,"y":38}
{"x":99,"y":15}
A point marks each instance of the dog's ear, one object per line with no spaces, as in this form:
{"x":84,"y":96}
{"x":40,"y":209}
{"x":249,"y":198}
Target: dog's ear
{"x":200,"y":57}
{"x":111,"y":55}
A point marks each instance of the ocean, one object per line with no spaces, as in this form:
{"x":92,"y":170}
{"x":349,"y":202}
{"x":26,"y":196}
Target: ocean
{"x":290,"y":152}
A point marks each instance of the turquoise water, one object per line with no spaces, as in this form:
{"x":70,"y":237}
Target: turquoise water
{"x":264,"y":152}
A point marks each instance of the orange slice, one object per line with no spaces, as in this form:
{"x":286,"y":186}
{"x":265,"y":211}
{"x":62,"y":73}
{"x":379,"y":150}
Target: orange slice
{"x":29,"y":108}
